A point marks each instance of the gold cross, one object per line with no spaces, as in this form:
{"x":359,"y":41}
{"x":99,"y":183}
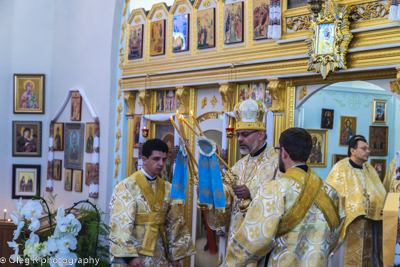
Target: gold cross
{"x":178,"y":186}
{"x":206,"y":192}
{"x":218,"y":193}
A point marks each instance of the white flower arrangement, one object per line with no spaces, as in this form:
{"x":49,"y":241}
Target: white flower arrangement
{"x":57,"y":249}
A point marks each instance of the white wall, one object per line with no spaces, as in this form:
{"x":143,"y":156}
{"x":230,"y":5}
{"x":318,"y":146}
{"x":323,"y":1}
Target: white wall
{"x":75,"y":44}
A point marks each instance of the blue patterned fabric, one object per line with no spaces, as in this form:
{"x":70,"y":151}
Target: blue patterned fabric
{"x":210,"y":181}
{"x":179,"y":180}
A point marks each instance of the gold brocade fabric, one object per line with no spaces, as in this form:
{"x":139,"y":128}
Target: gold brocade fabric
{"x":126,"y":202}
{"x":253,"y":172}
{"x":364,"y":196}
{"x":390,"y":182}
{"x":307,"y":245}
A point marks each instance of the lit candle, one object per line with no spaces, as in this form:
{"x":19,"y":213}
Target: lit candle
{"x":144,"y":127}
{"x":5,"y":213}
{"x":229,"y":126}
{"x":191,"y":114}
{"x":9,"y":220}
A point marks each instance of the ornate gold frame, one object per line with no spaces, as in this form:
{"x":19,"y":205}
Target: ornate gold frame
{"x":374,"y":102}
{"x":325,"y":156}
{"x":325,"y":63}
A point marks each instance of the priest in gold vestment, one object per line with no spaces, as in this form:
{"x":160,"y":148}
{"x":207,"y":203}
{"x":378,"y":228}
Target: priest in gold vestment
{"x":392,"y":182}
{"x":147,"y":228}
{"x":298,"y":217}
{"x":258,"y":166}
{"x":358,"y":182}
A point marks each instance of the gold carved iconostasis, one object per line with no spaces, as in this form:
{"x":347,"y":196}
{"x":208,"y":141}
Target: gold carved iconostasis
{"x":205,"y":56}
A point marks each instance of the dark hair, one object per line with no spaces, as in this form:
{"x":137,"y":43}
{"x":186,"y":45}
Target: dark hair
{"x":353,"y":142}
{"x":297,"y":143}
{"x":154,"y":145}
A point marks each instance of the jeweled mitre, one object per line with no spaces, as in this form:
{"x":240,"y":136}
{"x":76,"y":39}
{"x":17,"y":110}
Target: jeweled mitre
{"x":250,"y":115}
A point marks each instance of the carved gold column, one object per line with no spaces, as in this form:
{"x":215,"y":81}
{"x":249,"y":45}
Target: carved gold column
{"x":145,"y":101}
{"x":130,"y":99}
{"x":188,"y":207}
{"x":290,"y":103}
{"x":283,"y":101}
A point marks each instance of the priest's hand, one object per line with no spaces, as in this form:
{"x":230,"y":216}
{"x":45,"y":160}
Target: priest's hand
{"x":241,"y":191}
{"x":176,"y":264}
{"x":136,"y":262}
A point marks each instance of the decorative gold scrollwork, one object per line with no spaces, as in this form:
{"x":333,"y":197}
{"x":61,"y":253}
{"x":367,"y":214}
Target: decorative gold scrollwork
{"x":368,"y":11}
{"x":206,"y":3}
{"x":299,"y":23}
{"x":214,"y":101}
{"x":303,"y":92}
{"x":203,"y":102}
{"x":395,"y":87}
{"x":330,"y":54}
{"x":159,"y":15}
{"x":227,"y":90}
{"x":182,"y":9}
{"x":130,"y":99}
{"x":183,"y":95}
{"x":137,"y":20}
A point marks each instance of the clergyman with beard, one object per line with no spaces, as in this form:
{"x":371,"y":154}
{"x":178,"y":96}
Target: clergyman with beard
{"x":259,"y":165}
{"x":295,"y":217}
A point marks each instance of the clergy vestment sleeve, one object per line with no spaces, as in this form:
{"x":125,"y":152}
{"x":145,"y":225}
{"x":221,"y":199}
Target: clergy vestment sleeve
{"x":180,"y":245}
{"x":217,"y":219}
{"x":256,"y":236}
{"x":122,"y":218}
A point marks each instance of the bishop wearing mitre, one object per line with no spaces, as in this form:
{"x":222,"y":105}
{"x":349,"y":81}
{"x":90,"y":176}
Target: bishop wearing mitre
{"x":259,"y":165}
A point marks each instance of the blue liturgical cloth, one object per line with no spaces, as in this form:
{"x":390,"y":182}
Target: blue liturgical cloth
{"x":179,"y":180}
{"x":210,"y":180}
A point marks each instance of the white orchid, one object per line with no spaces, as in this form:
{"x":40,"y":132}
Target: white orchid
{"x":57,"y":248}
{"x":45,"y":250}
{"x":31,"y":209}
{"x":19,"y":227}
{"x":60,"y":213}
{"x":66,"y":243}
{"x":67,"y":258}
{"x":13,"y":244}
{"x":52,"y":245}
{"x":31,"y":251}
{"x":33,"y":239}
{"x":15,"y":257}
{"x":35,"y":224}
{"x":69,"y":225}
{"x":18,"y":204}
{"x":53,"y":261}
{"x":15,"y":218}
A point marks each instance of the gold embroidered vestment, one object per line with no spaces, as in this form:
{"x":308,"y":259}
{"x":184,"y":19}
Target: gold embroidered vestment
{"x":390,"y":182}
{"x":364,"y":197}
{"x":253,"y":172}
{"x":308,"y":243}
{"x":146,"y":223}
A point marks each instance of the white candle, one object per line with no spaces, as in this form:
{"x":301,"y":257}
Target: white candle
{"x":5,"y":213}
